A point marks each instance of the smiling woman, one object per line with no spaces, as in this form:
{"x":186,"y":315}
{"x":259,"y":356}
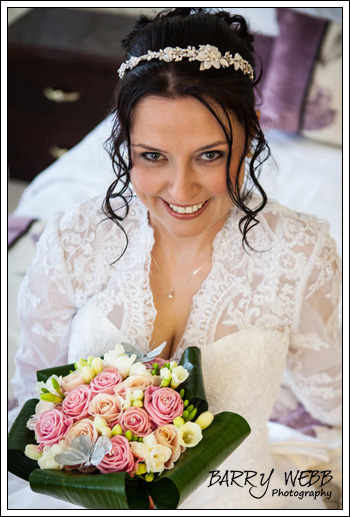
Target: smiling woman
{"x":192,"y":253}
{"x":185,"y":181}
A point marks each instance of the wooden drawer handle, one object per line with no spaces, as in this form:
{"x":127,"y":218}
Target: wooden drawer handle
{"x":60,"y":96}
{"x":56,"y":151}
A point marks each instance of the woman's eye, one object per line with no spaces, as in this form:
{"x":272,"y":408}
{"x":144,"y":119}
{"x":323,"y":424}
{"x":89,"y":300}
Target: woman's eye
{"x":210,"y":156}
{"x":152,"y":156}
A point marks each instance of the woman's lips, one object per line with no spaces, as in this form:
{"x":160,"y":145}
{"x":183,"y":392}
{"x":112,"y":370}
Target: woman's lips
{"x":185,"y":212}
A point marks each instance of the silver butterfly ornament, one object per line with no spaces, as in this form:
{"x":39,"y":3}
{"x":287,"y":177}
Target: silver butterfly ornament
{"x":85,"y":453}
{"x":144,"y":358}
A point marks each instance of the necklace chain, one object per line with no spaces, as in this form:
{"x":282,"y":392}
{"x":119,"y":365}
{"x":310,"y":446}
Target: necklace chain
{"x":172,"y":289}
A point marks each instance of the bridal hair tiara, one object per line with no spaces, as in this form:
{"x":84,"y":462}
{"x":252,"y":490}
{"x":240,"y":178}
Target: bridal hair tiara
{"x":208,"y":55}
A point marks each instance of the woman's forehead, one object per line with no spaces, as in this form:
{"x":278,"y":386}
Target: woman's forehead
{"x":166,"y":115}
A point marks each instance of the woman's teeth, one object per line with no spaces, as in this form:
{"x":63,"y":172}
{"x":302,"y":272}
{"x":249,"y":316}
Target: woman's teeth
{"x":186,"y":209}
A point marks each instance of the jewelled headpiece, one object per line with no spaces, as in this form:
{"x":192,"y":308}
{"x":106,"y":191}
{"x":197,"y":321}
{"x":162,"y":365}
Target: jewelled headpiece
{"x":208,"y":55}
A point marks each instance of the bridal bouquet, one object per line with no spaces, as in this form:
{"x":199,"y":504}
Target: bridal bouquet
{"x":111,"y":432}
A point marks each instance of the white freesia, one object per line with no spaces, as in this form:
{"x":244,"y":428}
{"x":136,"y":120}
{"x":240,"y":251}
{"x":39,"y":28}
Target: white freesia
{"x":179,"y":375}
{"x":205,"y":419}
{"x":190,"y":434}
{"x":47,"y":460}
{"x":137,"y":395}
{"x":173,"y":364}
{"x":99,"y":423}
{"x":48,"y":384}
{"x":123,"y":364}
{"x":112,"y":355}
{"x":158,"y":455}
{"x":165,"y":374}
{"x":140,"y":369}
{"x":32,"y":451}
{"x":88,"y":374}
{"x":133,"y":395}
{"x":96,"y":365}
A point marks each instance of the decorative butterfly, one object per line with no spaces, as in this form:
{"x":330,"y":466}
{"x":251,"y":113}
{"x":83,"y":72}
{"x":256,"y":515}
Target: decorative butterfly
{"x":144,"y":358}
{"x":85,"y":453}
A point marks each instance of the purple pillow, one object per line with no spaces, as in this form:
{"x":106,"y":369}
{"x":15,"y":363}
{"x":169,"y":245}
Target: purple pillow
{"x":290,"y":66}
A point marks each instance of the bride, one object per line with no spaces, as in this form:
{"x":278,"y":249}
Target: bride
{"x":185,"y":248}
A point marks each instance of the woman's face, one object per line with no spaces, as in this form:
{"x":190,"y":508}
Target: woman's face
{"x":179,"y":154}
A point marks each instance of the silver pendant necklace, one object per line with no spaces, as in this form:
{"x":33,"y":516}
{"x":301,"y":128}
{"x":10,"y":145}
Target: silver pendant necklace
{"x":173,"y":289}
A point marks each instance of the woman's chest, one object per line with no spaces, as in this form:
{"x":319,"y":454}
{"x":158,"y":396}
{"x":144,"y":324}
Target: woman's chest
{"x":237,"y":294}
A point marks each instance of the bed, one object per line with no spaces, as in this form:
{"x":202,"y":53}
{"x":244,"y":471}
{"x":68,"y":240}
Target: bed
{"x":302,"y":118}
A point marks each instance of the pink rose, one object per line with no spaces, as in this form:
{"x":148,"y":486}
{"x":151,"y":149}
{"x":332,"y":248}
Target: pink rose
{"x":168,"y":435}
{"x":105,"y":405}
{"x":41,"y":406}
{"x":158,"y":360}
{"x":162,"y":404}
{"x":119,"y":458}
{"x":52,"y":426}
{"x":136,"y":420}
{"x":72,"y":381}
{"x":84,"y":426}
{"x":106,"y":381}
{"x":76,"y":403}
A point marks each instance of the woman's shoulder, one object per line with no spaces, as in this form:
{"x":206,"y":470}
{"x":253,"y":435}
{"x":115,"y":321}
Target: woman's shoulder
{"x":87,"y":227}
{"x":87,"y":213}
{"x":296,"y":231}
{"x":283,"y":220}
{"x":91,"y":213}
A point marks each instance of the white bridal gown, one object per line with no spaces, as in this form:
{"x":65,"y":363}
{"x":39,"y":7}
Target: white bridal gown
{"x":257,"y":316}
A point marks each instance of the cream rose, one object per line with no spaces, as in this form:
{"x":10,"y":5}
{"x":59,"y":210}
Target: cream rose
{"x":139,"y":450}
{"x":72,"y":381}
{"x":168,"y":435}
{"x":82,"y":427}
{"x":105,"y":405}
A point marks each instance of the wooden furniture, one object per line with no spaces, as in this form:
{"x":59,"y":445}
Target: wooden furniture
{"x":62,"y":72}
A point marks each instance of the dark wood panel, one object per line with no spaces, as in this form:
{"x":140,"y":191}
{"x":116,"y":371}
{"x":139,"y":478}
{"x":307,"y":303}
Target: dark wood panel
{"x":44,"y":53}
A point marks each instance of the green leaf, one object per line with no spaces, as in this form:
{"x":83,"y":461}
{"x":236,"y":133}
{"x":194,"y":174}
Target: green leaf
{"x":194,"y":384}
{"x":94,"y":491}
{"x":43,"y":375}
{"x":19,"y":436}
{"x":220,"y":439}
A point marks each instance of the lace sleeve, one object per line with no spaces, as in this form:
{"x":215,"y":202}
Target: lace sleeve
{"x":45,"y":310}
{"x":314,"y":360}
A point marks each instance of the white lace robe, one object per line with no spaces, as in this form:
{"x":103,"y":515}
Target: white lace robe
{"x":256,"y":315}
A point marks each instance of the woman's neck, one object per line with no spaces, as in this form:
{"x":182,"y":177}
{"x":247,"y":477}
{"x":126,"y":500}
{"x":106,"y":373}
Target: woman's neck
{"x":172,"y":247}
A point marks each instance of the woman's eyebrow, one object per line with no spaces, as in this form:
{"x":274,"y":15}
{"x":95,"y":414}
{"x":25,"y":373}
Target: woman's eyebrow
{"x":145,"y":146}
{"x":204,"y":148}
{"x":214,"y":144}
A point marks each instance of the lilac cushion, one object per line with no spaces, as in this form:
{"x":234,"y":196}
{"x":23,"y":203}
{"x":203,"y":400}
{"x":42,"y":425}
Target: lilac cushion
{"x":290,"y":67}
{"x":16,"y":227}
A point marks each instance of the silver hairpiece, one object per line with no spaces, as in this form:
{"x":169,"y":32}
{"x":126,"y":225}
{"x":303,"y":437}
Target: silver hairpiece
{"x":208,"y":55}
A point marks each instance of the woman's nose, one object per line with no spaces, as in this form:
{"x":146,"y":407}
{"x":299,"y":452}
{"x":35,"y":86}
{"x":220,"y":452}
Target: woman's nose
{"x":183,"y":184}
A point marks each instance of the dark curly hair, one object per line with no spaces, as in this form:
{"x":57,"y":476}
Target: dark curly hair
{"x":231,"y":90}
